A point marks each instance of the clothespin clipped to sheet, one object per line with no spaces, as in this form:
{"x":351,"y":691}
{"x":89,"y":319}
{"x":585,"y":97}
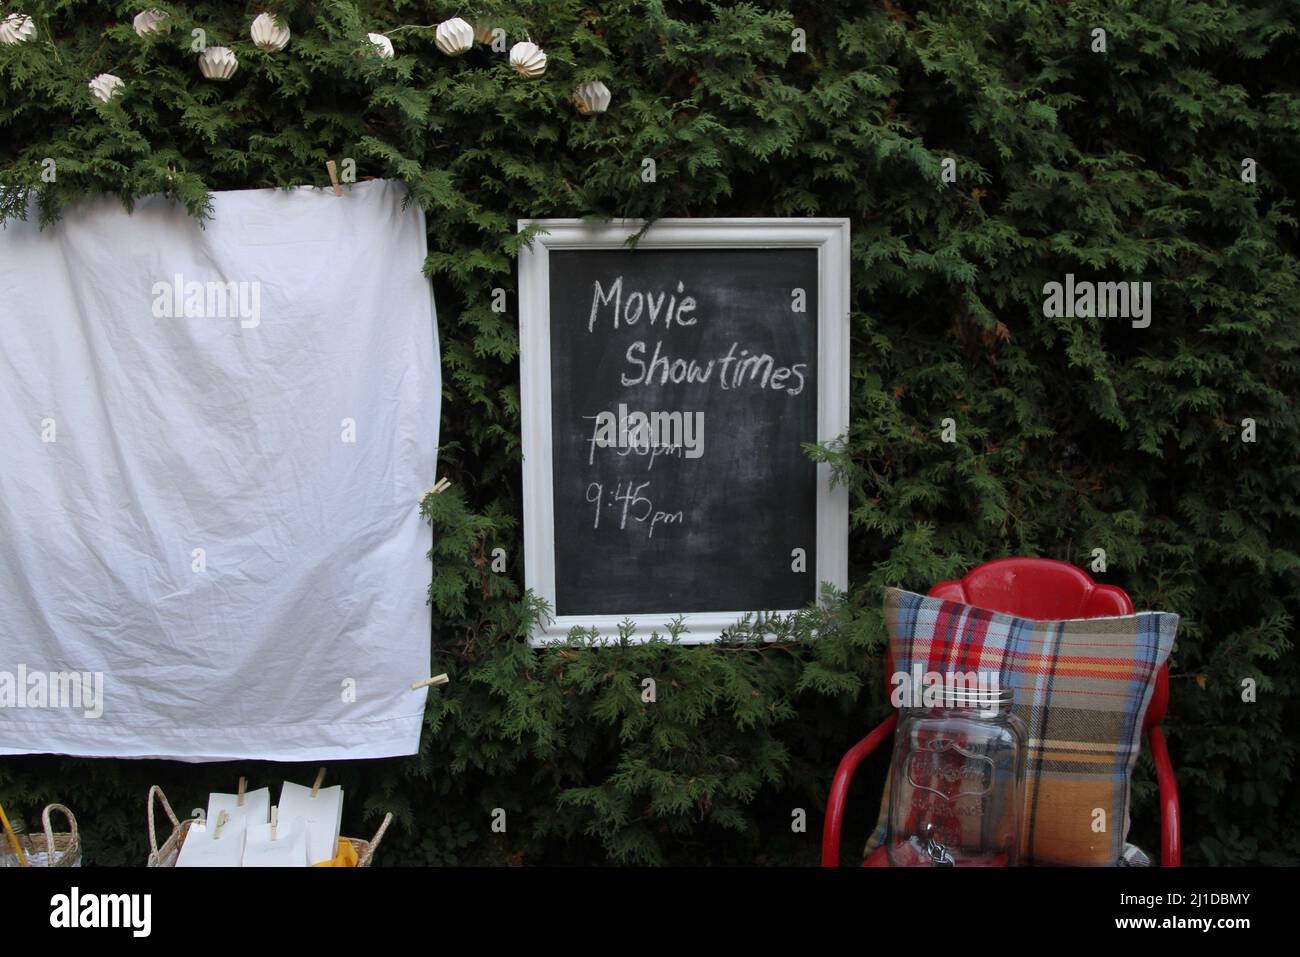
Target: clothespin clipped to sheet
{"x":320,"y":779}
{"x":439,"y":487}
{"x":441,"y":679}
{"x":334,"y":177}
{"x":275,"y":819}
{"x":243,"y":785}
{"x":222,"y":818}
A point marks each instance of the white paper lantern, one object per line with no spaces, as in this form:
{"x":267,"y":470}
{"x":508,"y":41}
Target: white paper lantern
{"x":592,"y":97}
{"x":151,"y":23}
{"x":106,"y":86}
{"x":483,"y":34}
{"x":17,"y":28}
{"x":453,"y":37}
{"x":528,"y":59}
{"x":269,"y":33}
{"x":383,"y":45}
{"x":218,"y":63}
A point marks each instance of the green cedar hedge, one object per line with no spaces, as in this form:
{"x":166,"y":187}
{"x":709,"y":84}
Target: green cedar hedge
{"x":1071,"y":434}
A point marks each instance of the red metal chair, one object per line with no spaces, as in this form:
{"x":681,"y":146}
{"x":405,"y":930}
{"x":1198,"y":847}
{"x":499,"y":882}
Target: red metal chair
{"x":1042,"y":589}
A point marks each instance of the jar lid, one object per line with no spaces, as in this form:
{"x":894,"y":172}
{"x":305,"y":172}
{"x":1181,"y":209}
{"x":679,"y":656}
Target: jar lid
{"x":984,"y":698}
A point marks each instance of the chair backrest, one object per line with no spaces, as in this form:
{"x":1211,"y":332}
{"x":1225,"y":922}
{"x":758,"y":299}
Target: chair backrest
{"x":1047,"y":590}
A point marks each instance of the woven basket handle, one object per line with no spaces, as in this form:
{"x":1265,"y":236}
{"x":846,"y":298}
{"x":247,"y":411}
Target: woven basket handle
{"x":171,"y":816}
{"x":374,"y":841}
{"x":49,"y":830}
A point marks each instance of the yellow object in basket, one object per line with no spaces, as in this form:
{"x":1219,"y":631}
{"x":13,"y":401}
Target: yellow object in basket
{"x":346,"y":856}
{"x":13,"y":839}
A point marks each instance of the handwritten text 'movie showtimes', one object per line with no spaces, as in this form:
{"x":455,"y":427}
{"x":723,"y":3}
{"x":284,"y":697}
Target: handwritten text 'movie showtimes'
{"x":735,"y":368}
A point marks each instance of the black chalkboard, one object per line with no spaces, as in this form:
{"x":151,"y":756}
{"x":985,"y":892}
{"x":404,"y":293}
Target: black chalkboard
{"x":685,"y":526}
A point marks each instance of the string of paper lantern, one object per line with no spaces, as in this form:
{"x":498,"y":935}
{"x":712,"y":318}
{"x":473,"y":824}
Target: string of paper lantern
{"x":269,"y":33}
{"x":455,"y":36}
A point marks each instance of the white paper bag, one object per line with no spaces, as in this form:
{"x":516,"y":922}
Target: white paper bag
{"x":322,"y":815}
{"x":203,"y":849}
{"x":256,"y":809}
{"x":289,"y":849}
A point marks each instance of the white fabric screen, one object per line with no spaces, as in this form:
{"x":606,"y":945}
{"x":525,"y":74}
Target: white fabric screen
{"x":209,"y":493}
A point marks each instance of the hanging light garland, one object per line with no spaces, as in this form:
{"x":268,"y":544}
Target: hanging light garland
{"x":269,"y":33}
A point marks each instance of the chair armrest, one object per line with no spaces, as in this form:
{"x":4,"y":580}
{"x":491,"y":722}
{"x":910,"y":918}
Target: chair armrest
{"x":839,"y":793}
{"x":1171,"y":845}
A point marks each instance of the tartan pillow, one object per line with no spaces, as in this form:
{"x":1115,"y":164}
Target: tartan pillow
{"x":1081,"y":687}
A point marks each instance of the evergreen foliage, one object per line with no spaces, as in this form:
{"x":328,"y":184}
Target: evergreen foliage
{"x":1071,"y":434}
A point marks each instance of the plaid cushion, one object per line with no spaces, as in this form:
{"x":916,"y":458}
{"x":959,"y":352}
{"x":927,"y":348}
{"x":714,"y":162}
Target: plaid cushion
{"x":1081,"y":687}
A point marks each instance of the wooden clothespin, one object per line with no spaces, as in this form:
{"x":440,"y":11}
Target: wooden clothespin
{"x":439,"y":487}
{"x":441,"y":679}
{"x":222,"y":818}
{"x":275,"y":819}
{"x":320,"y":777}
{"x":243,"y":784}
{"x":334,"y":177}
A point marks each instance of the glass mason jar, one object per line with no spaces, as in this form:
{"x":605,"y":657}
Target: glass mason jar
{"x":957,"y":782}
{"x":7,"y":856}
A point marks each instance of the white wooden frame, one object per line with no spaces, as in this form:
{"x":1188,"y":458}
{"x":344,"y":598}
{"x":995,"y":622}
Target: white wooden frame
{"x":830,"y":237}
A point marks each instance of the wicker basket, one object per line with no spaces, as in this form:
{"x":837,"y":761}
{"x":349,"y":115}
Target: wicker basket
{"x":166,"y":855}
{"x":62,"y":849}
